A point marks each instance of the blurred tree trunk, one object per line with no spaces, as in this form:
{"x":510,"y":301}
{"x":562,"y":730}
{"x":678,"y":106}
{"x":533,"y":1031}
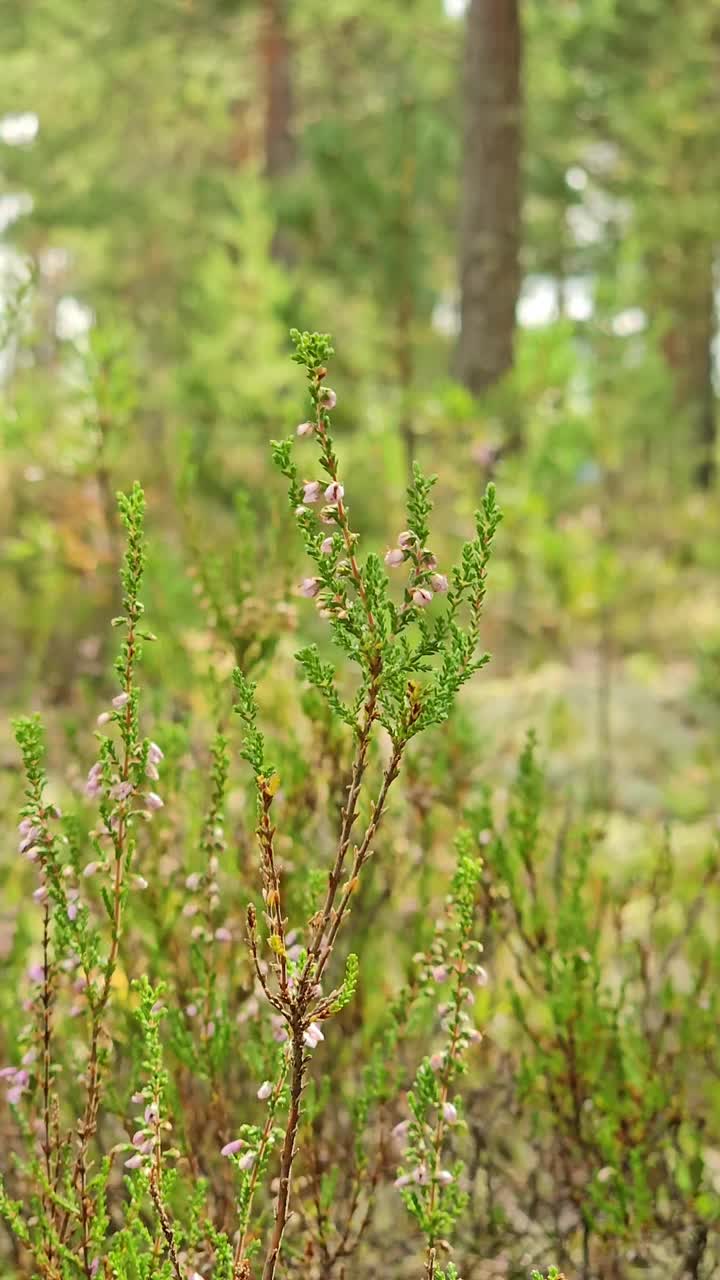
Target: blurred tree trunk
{"x":276,"y":65}
{"x":688,"y":346}
{"x":490,"y":215}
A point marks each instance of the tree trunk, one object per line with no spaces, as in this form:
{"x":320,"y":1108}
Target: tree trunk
{"x":276,"y":64}
{"x":491,"y":195}
{"x":688,"y":351}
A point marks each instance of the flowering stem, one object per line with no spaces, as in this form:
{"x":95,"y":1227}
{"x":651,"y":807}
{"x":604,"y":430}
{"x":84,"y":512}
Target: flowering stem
{"x":282,"y":1211}
{"x":239,"y":1259}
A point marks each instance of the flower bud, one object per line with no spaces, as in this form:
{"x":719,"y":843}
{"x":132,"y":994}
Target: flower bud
{"x":439,"y":583}
{"x":394,"y":557}
{"x":305,"y":429}
{"x":421,"y":597}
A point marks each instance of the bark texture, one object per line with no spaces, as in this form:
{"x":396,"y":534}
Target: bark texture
{"x":491,"y":194}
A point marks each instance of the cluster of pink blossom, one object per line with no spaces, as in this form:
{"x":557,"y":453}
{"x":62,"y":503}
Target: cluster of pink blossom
{"x":425,"y":581}
{"x":145,"y":1139}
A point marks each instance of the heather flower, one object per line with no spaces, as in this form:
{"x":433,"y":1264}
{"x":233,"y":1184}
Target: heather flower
{"x":439,"y":973}
{"x":121,"y":791}
{"x":193,"y":881}
{"x":326,"y":546}
{"x":41,"y":894}
{"x":103,"y":718}
{"x":151,"y":772}
{"x":449,"y":1113}
{"x":445,"y":1177}
{"x":313,"y":1035}
{"x":439,"y":583}
{"x":153,"y":801}
{"x":120,"y":701}
{"x":93,"y":784}
{"x":394,"y":557}
{"x":135,"y":1162}
{"x":151,"y":1115}
{"x":223,"y":935}
{"x":140,"y":882}
{"x":327,"y":398}
{"x":436,"y":1061}
{"x":421,"y":597}
{"x":335,"y":492}
{"x":247,"y":1161}
{"x":265,"y":1090}
{"x":305,"y":429}
{"x":309,"y":588}
{"x":400,"y":1130}
{"x":90,"y":869}
{"x":231,"y":1148}
{"x":481,"y":976}
{"x":312,"y":491}
{"x":406,"y":539}
{"x":191,"y":1010}
{"x":155,"y":755}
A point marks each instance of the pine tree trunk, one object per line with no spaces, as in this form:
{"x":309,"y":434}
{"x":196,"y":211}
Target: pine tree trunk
{"x":491,"y":196}
{"x":276,"y":64}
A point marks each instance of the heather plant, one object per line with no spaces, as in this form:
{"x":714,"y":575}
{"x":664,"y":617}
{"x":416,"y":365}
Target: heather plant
{"x":136,"y":1147}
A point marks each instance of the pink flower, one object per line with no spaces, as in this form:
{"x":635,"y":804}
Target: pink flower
{"x":439,"y":583}
{"x":449,"y":1112}
{"x":406,"y":540}
{"x":120,"y":701}
{"x":265,"y":1090}
{"x":40,"y":895}
{"x":247,"y":1161}
{"x":436,"y":1061}
{"x":191,"y":1011}
{"x":91,"y":868}
{"x":439,"y":973}
{"x":335,"y":492}
{"x":327,"y":398}
{"x":194,"y":881}
{"x":232,"y":1148}
{"x":151,"y":1114}
{"x":36,"y":973}
{"x":394,"y":557}
{"x":135,"y":1162}
{"x":93,"y":784}
{"x":223,"y":935}
{"x":139,"y":1138}
{"x":445,"y":1177}
{"x":151,"y":771}
{"x":421,"y":597}
{"x":326,"y":546}
{"x":103,"y":718}
{"x":400,"y":1130}
{"x":313,"y":1035}
{"x":153,"y":801}
{"x":305,"y":429}
{"x":403,"y":1181}
{"x":140,"y":882}
{"x":309,"y":588}
{"x":312,"y":491}
{"x":481,"y":977}
{"x":155,"y":755}
{"x":121,"y":791}
{"x":279,"y":1030}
